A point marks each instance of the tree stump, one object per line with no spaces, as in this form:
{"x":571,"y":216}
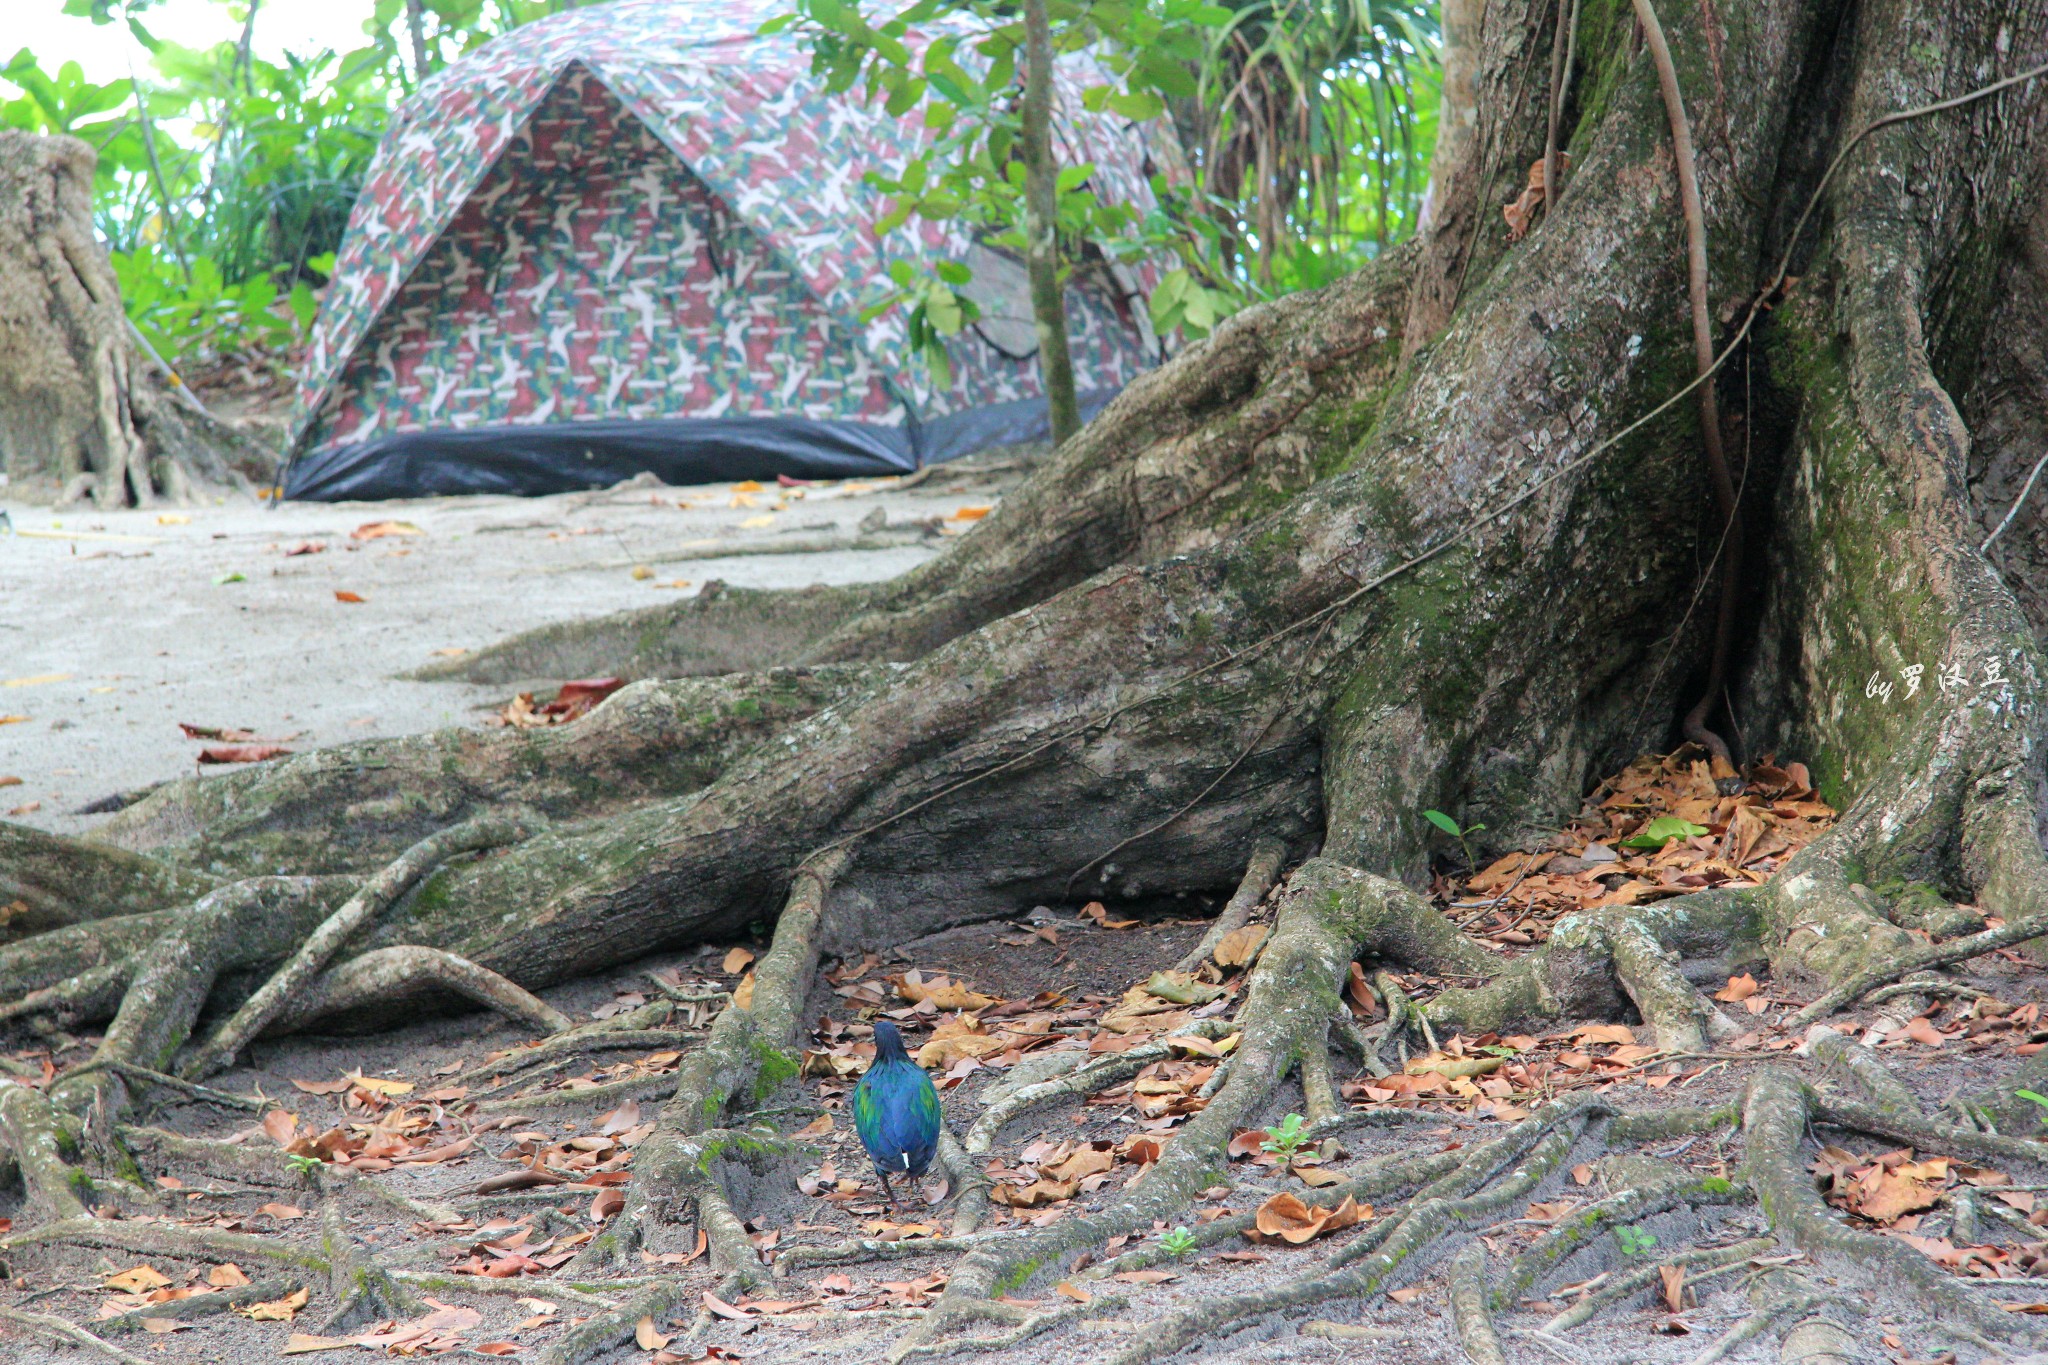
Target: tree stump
{"x":80,"y":413}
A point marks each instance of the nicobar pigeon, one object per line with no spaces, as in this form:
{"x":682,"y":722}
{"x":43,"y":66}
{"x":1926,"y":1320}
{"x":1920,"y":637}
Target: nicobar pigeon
{"x":896,"y":1111}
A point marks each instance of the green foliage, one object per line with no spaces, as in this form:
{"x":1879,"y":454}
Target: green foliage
{"x":1288,"y":1139}
{"x":1314,"y":122}
{"x":1177,"y":1243}
{"x":1663,"y":830}
{"x":303,"y":1166}
{"x":1462,"y":833}
{"x":225,"y":181}
{"x":964,"y":88}
{"x":1633,"y":1241}
{"x":2035,"y":1097}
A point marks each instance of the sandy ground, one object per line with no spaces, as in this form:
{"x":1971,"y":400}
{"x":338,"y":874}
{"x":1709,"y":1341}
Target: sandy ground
{"x":116,"y":626}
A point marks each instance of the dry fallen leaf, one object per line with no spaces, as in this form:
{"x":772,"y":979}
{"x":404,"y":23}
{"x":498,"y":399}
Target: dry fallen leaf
{"x":135,"y":1280}
{"x":304,"y":1343}
{"x":1738,"y":988}
{"x":817,"y":1127}
{"x":226,"y":1276}
{"x":1405,"y":1294}
{"x":945,"y":995}
{"x":1920,"y":1031}
{"x":377,"y":530}
{"x":1674,"y":1286}
{"x":1285,"y":1216}
{"x":1240,"y":946}
{"x":646,"y":1337}
{"x":277,"y":1310}
{"x":343,"y":595}
{"x":241,"y":753}
{"x":1036,"y":1193}
{"x":163,"y":1326}
{"x":736,"y":961}
{"x":1604,"y":1033}
{"x":1068,"y":1289}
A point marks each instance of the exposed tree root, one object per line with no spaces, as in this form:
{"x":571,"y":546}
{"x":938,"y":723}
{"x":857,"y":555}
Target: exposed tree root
{"x":1922,"y":958}
{"x":1925,"y":1132}
{"x":1640,"y":1199}
{"x":1775,"y":1115}
{"x":49,"y":1325}
{"x":1469,"y":1312}
{"x":384,"y":973}
{"x":39,"y":1142}
{"x":205,"y":1094}
{"x":289,"y":981}
{"x":363,"y":1291}
{"x":198,"y":1306}
{"x":1698,"y":1264}
{"x":745,"y":1053}
{"x":243,"y":925}
{"x":167,"y":1239}
{"x":1863,"y":1069}
{"x":606,"y":1329}
{"x":1261,"y":870}
{"x":1368,"y":1264}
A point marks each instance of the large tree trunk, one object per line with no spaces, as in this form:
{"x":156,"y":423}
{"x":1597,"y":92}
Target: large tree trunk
{"x":1417,"y":541}
{"x":79,"y":412}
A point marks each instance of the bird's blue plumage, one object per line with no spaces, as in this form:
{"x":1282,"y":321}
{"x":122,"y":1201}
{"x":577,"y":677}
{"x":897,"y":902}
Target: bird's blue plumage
{"x":895,"y":1109}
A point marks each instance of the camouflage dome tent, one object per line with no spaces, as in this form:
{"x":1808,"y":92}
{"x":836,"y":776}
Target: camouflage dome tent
{"x":636,"y":237}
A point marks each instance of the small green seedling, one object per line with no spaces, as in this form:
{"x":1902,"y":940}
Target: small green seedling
{"x":1662,"y":831}
{"x":1288,"y":1139}
{"x":1634,"y":1241}
{"x":302,"y":1165}
{"x":1177,"y":1243}
{"x":1462,"y":833}
{"x":2037,"y":1098}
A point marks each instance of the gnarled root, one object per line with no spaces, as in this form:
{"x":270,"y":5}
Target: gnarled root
{"x":39,"y":1141}
{"x":383,"y":972}
{"x":1326,"y":913}
{"x":747,"y":1049}
{"x":1776,"y":1112}
{"x":363,"y":1291}
{"x":277,"y":994}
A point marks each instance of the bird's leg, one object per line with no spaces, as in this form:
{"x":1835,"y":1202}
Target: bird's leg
{"x":887,"y":1193}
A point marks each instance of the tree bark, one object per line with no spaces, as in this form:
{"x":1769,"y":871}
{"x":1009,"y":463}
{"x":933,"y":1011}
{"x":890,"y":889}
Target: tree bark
{"x":1041,"y":226}
{"x":78,"y":414}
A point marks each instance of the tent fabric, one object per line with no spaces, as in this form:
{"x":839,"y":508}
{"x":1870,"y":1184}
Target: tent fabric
{"x":566,"y":457}
{"x":648,"y":213}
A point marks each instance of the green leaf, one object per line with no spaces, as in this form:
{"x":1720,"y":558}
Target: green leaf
{"x":1139,"y":107}
{"x":1073,"y":177}
{"x":303,"y":304}
{"x":1443,"y":822}
{"x":2036,"y":1097}
{"x":1662,"y":831}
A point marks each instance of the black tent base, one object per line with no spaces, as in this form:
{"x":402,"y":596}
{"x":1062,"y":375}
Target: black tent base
{"x":565,"y":457}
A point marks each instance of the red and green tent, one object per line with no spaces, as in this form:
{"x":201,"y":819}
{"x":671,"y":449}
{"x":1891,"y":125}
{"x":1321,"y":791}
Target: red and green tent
{"x":636,"y":237}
